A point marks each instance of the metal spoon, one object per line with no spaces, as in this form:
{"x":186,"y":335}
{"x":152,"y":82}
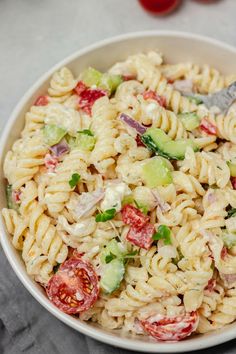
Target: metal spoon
{"x":222,"y":99}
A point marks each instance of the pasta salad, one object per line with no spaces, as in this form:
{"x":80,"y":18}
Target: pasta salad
{"x":121,"y":195}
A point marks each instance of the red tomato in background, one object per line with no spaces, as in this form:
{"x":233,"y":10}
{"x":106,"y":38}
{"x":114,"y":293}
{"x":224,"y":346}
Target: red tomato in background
{"x":160,"y":7}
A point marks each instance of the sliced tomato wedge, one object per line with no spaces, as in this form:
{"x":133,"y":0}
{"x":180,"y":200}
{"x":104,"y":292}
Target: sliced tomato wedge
{"x":169,"y":329}
{"x":141,"y":237}
{"x":159,"y":7}
{"x":133,"y":216}
{"x":208,"y":127}
{"x":154,"y":96}
{"x":80,"y":87}
{"x":87,"y":96}
{"x":41,"y":101}
{"x":74,"y":288}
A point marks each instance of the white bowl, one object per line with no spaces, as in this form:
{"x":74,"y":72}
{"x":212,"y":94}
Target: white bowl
{"x":177,"y":47}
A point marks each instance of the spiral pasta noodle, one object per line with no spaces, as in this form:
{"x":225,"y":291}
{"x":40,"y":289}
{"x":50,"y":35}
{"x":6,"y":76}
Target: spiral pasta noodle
{"x":58,"y":190}
{"x":61,"y":85}
{"x":121,"y":197}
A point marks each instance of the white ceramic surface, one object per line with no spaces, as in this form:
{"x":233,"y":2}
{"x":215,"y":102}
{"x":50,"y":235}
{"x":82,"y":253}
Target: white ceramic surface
{"x":176,"y":47}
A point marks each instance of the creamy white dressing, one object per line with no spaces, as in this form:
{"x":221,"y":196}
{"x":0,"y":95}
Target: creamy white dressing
{"x":150,"y":108}
{"x":114,"y":194}
{"x":156,"y":318}
{"x":64,"y":117}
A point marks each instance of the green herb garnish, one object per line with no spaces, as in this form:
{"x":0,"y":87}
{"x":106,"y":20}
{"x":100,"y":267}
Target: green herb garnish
{"x":74,"y":180}
{"x":109,"y":258}
{"x":231,"y":212}
{"x":86,"y":132}
{"x":131,"y":254}
{"x":106,"y":215}
{"x":56,"y":267}
{"x":163,"y":233}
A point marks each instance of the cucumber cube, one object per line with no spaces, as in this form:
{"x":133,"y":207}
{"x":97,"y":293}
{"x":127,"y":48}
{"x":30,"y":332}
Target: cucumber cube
{"x":53,"y":134}
{"x":156,"y":172}
{"x":112,"y":275}
{"x":91,"y":77}
{"x":190,"y":120}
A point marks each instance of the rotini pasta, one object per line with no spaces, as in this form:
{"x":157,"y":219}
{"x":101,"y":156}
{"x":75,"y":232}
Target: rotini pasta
{"x":121,"y":197}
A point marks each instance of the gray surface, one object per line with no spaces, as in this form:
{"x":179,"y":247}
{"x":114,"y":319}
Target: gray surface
{"x":34,"y":35}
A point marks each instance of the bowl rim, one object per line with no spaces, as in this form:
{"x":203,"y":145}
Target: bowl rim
{"x":202,"y":342}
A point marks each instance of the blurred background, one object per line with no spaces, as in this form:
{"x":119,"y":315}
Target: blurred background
{"x":35,"y":35}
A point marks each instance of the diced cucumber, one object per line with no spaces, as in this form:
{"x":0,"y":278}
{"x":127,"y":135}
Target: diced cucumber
{"x":91,"y":77}
{"x":112,"y":248}
{"x":104,"y":81}
{"x":85,"y":141}
{"x":53,"y":134}
{"x":160,"y":143}
{"x":10,"y":202}
{"x":155,"y":139}
{"x":176,"y":150}
{"x":156,"y":172}
{"x":232,"y":167}
{"x":229,"y":239}
{"x":71,"y":141}
{"x":128,"y":199}
{"x":190,"y":120}
{"x":110,"y":82}
{"x":112,"y":275}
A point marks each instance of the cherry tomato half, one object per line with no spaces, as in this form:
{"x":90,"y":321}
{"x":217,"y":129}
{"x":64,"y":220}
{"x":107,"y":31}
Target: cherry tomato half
{"x":74,"y":288}
{"x":171,"y":328}
{"x":160,"y":7}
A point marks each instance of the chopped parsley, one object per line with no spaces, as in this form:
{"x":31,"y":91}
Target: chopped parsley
{"x":86,"y":132}
{"x":106,"y":215}
{"x":56,"y":267}
{"x":231,"y":212}
{"x":163,"y":233}
{"x":109,"y":258}
{"x":131,"y":254}
{"x":74,"y":180}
